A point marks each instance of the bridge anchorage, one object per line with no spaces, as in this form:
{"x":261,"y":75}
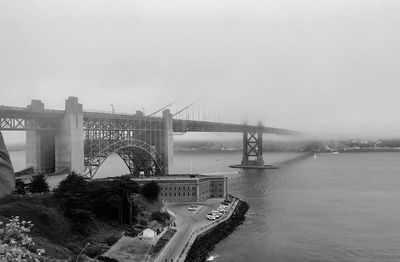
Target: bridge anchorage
{"x":61,"y":141}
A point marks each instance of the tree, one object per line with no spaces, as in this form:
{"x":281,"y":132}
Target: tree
{"x":104,"y":199}
{"x":160,"y":217}
{"x":73,"y":183}
{"x":39,"y":184}
{"x":73,"y":198}
{"x":116,"y":201}
{"x":150,"y":191}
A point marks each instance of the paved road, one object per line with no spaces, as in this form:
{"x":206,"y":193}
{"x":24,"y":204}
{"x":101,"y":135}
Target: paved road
{"x":186,"y":221}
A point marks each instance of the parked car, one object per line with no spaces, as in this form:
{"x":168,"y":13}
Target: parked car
{"x":211,"y":217}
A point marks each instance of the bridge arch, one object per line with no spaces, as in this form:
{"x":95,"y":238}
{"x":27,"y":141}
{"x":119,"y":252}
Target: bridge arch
{"x":127,"y":149}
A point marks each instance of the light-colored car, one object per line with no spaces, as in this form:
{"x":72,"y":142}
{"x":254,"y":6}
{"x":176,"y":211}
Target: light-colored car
{"x":211,"y":217}
{"x":216,"y":213}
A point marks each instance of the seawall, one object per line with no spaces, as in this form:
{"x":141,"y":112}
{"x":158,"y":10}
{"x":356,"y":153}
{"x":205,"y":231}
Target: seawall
{"x":204,"y":243}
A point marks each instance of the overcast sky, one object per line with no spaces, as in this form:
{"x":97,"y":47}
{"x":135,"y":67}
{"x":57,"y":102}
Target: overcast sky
{"x":324,"y":67}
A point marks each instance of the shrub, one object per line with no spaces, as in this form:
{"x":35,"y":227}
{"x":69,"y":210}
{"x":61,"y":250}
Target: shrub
{"x":112,"y":239}
{"x":106,"y":259}
{"x":19,"y":187}
{"x":160,"y":217}
{"x":143,"y":222}
{"x":150,"y":191}
{"x":39,"y":184}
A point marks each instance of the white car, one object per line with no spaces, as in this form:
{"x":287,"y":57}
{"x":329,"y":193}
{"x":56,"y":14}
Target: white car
{"x":211,"y":217}
{"x":217,"y":214}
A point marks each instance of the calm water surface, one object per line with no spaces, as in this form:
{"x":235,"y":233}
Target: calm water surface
{"x":342,"y":207}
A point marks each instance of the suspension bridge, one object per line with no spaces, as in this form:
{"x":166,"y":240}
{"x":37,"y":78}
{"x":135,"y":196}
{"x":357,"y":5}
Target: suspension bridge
{"x":78,"y":140}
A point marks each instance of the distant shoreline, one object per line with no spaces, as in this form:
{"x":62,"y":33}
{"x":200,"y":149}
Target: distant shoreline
{"x":373,"y":150}
{"x":296,"y":151}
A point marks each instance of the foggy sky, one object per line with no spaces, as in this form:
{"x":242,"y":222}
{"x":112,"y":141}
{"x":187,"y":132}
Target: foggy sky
{"x":323,"y":67}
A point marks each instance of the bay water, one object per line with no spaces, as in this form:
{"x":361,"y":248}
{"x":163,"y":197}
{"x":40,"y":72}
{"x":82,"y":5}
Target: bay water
{"x":335,"y":207}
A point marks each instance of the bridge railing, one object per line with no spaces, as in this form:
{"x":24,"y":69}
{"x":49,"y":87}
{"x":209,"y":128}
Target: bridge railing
{"x":107,"y":112}
{"x":12,"y":108}
{"x":24,"y":109}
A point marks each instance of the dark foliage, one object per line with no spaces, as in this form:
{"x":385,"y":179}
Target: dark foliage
{"x":160,"y":217}
{"x":72,"y":184}
{"x":39,"y":184}
{"x":19,"y":187}
{"x":150,"y":191}
{"x":107,"y":200}
{"x":143,"y":222}
{"x":106,"y":259}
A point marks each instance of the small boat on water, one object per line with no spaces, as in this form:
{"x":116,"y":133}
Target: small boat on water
{"x":211,"y":258}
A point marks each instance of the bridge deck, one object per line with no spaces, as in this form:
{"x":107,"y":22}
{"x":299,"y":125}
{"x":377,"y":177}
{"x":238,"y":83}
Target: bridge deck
{"x":20,"y":118}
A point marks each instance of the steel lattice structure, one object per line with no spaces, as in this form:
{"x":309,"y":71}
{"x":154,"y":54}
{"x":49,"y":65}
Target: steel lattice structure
{"x":138,"y":140}
{"x":17,"y":118}
{"x":253,"y":144}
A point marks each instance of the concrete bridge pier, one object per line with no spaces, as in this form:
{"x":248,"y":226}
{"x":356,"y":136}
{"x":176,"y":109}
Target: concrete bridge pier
{"x":69,"y":138}
{"x":40,"y":145}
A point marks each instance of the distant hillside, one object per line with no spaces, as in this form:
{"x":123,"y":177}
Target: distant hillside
{"x":268,"y":145}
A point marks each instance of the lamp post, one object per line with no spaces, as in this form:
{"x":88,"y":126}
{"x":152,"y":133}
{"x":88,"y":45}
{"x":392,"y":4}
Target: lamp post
{"x":77,"y":258}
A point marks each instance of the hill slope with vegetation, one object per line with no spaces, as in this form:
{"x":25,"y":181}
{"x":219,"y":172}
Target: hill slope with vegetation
{"x":79,"y":211}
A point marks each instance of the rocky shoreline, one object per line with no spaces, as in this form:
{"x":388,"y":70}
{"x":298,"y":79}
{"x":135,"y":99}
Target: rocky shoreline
{"x":206,"y":242}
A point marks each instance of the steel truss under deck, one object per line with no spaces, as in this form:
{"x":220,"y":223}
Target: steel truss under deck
{"x":18,"y":118}
{"x":139,"y":141}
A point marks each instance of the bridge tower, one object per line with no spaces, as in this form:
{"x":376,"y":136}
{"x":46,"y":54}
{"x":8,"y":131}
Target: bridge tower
{"x":69,"y":138}
{"x":40,"y":144}
{"x":49,"y":151}
{"x":168,"y":143}
{"x":252,"y":147}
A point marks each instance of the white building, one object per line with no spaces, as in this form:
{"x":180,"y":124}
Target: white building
{"x":153,"y":230}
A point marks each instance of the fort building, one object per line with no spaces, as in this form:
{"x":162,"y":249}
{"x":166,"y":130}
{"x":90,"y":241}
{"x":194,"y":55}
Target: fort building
{"x":188,"y":188}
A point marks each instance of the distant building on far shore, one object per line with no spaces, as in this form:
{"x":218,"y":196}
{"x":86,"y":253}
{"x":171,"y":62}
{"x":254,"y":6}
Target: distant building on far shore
{"x":188,"y":188}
